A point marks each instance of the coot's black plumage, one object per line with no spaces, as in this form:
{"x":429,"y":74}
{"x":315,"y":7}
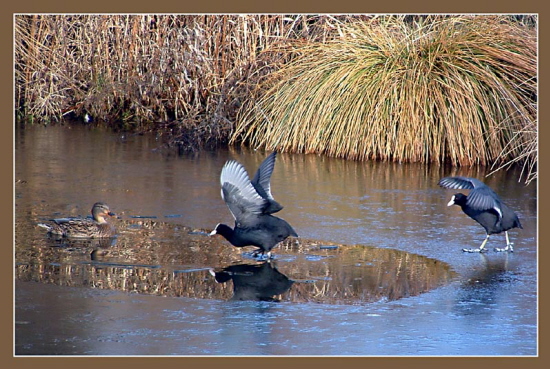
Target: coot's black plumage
{"x":484,"y":206}
{"x":252,"y":204}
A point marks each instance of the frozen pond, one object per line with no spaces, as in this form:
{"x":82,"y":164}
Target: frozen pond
{"x":377,"y":270}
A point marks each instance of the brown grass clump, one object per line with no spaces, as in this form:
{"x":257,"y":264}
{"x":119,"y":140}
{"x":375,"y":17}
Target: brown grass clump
{"x":187,"y":74}
{"x":523,"y":150}
{"x":445,"y":88}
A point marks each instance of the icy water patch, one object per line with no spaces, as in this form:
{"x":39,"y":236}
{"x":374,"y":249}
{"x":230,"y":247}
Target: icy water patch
{"x":164,"y":259}
{"x":384,"y":283}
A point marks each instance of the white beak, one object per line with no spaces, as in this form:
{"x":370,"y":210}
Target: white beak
{"x":452,"y":202}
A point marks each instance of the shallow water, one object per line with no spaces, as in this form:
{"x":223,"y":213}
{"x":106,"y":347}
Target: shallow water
{"x":377,"y":269}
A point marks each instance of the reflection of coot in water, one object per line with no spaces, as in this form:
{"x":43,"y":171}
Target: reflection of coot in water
{"x":485,"y":287}
{"x":254,"y":282}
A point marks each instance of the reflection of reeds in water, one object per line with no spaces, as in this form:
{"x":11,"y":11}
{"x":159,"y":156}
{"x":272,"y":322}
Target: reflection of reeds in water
{"x":163,"y":259}
{"x":128,"y":278}
{"x":366,"y":274}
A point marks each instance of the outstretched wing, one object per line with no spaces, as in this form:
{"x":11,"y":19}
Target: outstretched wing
{"x":262,"y":183}
{"x":481,"y":196}
{"x":463,"y":183}
{"x":239,"y":193}
{"x":262,"y":179}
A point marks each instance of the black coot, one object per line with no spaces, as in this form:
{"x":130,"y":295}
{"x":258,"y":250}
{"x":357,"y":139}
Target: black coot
{"x":485,"y":207}
{"x":252,"y":204}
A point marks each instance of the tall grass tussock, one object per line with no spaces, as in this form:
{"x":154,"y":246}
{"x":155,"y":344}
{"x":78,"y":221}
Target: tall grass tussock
{"x":461,"y":89}
{"x":458,"y":89}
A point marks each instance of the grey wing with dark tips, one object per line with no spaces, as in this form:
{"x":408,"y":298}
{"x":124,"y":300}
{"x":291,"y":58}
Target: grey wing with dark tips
{"x":238,"y":193}
{"x":262,"y":178}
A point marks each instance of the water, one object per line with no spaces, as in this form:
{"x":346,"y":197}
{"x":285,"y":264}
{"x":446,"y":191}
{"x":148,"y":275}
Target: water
{"x":377,"y":269}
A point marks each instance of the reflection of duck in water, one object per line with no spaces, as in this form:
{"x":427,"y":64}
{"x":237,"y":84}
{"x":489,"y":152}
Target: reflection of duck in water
{"x":84,"y":228}
{"x":252,"y":204}
{"x":101,"y":247}
{"x":259,"y":282}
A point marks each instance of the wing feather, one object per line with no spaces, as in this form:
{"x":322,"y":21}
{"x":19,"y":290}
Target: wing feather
{"x":262,"y":179}
{"x":481,"y":196}
{"x":238,"y":192}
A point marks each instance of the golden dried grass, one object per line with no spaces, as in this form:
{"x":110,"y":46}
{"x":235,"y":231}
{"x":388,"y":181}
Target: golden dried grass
{"x":446,"y":88}
{"x":191,"y":70}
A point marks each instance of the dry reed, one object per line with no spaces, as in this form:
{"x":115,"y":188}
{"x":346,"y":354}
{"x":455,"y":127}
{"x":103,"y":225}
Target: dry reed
{"x":188,"y":72}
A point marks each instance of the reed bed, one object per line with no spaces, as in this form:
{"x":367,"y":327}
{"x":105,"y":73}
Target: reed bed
{"x":435,"y":89}
{"x":186,"y":74}
{"x":461,"y":89}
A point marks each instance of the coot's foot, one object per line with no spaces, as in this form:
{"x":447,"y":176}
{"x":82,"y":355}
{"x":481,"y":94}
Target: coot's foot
{"x":508,"y":248}
{"x":475,"y":250}
{"x":262,"y":255}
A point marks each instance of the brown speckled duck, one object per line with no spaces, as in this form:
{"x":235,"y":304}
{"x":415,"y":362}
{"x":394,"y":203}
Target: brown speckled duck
{"x":84,"y":228}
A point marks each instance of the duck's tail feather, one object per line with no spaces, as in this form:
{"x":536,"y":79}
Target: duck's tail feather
{"x":46,"y":226}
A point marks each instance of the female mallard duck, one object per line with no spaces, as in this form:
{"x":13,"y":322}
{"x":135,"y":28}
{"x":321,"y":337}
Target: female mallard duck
{"x":84,"y":228}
